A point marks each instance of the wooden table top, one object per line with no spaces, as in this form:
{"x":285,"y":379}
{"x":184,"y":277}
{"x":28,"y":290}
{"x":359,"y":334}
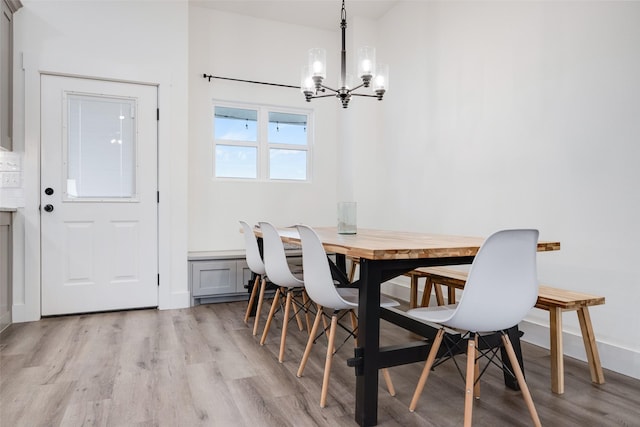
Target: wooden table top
{"x":384,"y":244}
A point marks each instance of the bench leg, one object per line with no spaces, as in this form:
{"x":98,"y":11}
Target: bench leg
{"x":426,"y":293}
{"x":555,"y":338}
{"x":589,"y":338}
{"x":439,"y":298}
{"x":413,"y":296}
{"x":451,"y":294}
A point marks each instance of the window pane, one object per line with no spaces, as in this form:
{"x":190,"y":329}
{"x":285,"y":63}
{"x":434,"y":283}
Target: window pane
{"x":236,"y":161}
{"x":235,"y":124}
{"x":101,"y":147}
{"x":287,"y":164}
{"x":285,"y":128}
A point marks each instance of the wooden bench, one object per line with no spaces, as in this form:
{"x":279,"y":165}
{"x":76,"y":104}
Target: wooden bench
{"x":554,"y":300}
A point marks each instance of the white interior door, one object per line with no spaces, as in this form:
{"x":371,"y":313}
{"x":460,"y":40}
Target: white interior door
{"x":99,"y":211}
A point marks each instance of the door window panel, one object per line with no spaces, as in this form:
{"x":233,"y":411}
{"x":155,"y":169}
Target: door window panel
{"x":100,"y":148}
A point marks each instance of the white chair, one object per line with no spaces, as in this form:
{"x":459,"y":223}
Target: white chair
{"x":279,"y":273}
{"x":502,"y":287}
{"x":320,"y":287}
{"x":256,"y":265}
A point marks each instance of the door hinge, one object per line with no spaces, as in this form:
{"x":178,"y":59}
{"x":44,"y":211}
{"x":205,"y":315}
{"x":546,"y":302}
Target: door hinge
{"x":157,"y":114}
{"x":158,"y":194}
{"x":158,"y":279}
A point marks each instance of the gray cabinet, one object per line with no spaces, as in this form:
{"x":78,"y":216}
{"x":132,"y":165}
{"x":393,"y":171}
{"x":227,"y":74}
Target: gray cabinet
{"x":6,"y":71}
{"x":219,"y":277}
{"x":222,"y":276}
{"x":5,"y":269}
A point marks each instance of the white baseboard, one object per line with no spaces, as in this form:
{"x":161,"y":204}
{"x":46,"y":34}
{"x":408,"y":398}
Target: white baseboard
{"x":618,"y":359}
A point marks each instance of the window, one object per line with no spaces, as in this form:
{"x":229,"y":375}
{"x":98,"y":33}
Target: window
{"x":261,"y":143}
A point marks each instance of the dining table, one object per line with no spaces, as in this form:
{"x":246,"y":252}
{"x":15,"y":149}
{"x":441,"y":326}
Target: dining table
{"x":383,"y":255}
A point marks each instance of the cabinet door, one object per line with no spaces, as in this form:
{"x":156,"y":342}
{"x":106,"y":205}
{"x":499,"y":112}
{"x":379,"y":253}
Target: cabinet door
{"x":244,"y":276}
{"x":6,"y":51}
{"x":5,"y":269}
{"x":213,"y":277}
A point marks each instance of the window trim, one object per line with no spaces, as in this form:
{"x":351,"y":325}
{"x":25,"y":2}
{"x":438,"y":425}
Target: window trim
{"x":262,"y":143}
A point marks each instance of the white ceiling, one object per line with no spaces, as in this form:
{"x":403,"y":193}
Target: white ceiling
{"x":323,"y":14}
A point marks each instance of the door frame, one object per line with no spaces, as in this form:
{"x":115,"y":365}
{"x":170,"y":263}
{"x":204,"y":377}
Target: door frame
{"x":137,"y":198}
{"x":172,"y":174}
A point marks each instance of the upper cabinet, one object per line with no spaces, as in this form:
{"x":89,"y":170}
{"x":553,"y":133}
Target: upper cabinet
{"x":6,"y":72}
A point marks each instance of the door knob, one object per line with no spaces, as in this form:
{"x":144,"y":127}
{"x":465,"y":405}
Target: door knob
{"x":48,"y":191}
{"x":48,"y":208}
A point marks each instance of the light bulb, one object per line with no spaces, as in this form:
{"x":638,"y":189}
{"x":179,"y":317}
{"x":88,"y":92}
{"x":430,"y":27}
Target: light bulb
{"x":366,"y":66}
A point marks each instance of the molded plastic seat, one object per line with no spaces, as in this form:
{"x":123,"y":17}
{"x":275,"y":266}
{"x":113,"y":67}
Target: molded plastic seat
{"x":320,"y":287}
{"x":279,"y":273}
{"x":502,"y":287}
{"x":256,"y":265}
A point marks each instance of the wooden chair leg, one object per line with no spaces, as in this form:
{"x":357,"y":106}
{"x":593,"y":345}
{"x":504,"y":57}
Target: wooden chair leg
{"x":325,"y":325}
{"x":426,"y":294}
{"x":267,"y":325}
{"x":520,"y":377}
{"x":296,"y":313}
{"x":252,"y":298}
{"x":256,"y":321}
{"x":327,"y":364}
{"x":589,"y":338}
{"x":476,"y":373}
{"x":427,"y":368}
{"x":557,"y":354}
{"x":352,"y":271}
{"x":354,"y":326}
{"x":285,"y":325}
{"x":307,"y":304}
{"x":470,"y":377}
{"x":312,"y":335}
{"x":388,"y":382}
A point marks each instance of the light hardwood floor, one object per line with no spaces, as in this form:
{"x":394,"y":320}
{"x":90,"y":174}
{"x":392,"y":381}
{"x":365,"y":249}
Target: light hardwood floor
{"x":202,"y":367}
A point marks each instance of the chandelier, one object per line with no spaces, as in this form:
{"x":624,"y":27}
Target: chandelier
{"x":372,"y":75}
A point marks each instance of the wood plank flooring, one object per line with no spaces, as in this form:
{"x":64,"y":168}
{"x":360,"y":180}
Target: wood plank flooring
{"x":202,"y":367}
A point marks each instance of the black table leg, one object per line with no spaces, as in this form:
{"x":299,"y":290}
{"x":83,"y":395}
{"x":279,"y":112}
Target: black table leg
{"x":368,"y":343}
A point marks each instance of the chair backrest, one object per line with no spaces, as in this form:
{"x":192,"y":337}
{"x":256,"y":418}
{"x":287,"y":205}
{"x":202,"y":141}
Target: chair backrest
{"x":318,"y":281}
{"x":275,"y":258}
{"x":502,"y":285}
{"x":254,"y":259}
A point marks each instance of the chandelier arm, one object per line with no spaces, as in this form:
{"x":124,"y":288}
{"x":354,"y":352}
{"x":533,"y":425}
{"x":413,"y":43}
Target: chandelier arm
{"x":322,"y":96}
{"x":357,"y":87}
{"x":329,"y":88}
{"x":364,"y":94}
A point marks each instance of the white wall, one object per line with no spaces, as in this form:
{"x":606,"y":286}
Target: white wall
{"x":499,"y":114}
{"x":523,"y":114}
{"x":241,"y":47}
{"x":131,"y":41}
